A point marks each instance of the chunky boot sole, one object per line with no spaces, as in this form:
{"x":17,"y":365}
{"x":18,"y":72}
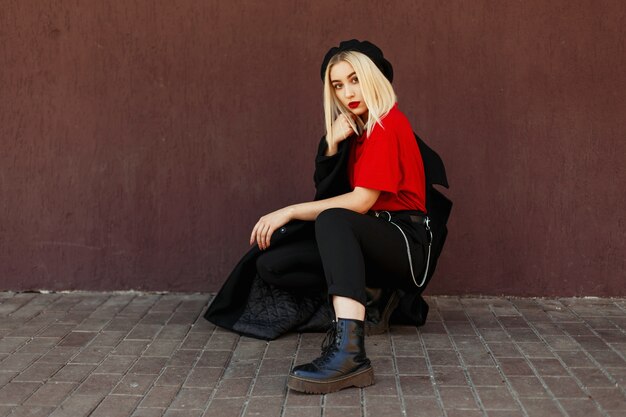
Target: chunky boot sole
{"x":359,"y":379}
{"x":383,"y":325}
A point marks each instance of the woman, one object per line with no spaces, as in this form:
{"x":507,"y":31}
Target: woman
{"x":374,"y":235}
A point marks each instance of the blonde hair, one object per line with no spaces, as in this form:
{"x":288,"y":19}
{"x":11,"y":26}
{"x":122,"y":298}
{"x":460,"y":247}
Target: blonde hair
{"x":376,"y":89}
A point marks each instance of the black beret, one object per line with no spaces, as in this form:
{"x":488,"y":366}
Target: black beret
{"x":372,"y":51}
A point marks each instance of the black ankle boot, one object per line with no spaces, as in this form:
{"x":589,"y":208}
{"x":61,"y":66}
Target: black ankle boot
{"x":381,"y":302}
{"x":342,"y":364}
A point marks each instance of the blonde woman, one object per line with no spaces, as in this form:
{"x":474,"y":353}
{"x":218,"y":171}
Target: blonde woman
{"x":374,"y":234}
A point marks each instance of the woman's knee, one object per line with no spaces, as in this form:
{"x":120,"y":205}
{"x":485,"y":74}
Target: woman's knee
{"x":333,"y":218}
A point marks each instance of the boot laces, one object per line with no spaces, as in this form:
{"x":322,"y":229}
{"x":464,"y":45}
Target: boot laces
{"x":329,"y":344}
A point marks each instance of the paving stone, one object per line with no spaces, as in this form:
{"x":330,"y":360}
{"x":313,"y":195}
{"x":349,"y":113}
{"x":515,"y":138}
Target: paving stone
{"x":60,"y":354}
{"x":386,"y":385}
{"x":477,"y":357}
{"x":73,"y":373}
{"x":130,"y":347}
{"x":108,"y":338}
{"x":235,"y":387}
{"x":383,"y":406}
{"x":528,"y":386}
{"x":420,"y":385}
{"x":437,"y":341}
{"x":116,"y":406}
{"x":450,"y":375}
{"x":443,"y":357}
{"x":611,"y":399}
{"x":93,"y":324}
{"x":182,"y":413}
{"x":161,"y":348}
{"x":271,"y":367}
{"x":32,"y":411}
{"x":457,"y":397}
{"x":38,"y":372}
{"x":14,"y":393}
{"x":515,"y":367}
{"x":184,"y":357}
{"x":227,"y":407}
{"x":342,"y":412}
{"x":581,"y":407}
{"x":144,"y":332}
{"x":408,"y":365}
{"x":485,"y":376}
{"x":269,"y":385}
{"x":204,"y":377}
{"x":575,"y":359}
{"x":18,"y":362}
{"x":214,"y":358}
{"x":541,"y":407}
{"x":191,"y":398}
{"x":504,"y":350}
{"x":344,"y":398}
{"x":51,"y":393}
{"x":98,"y":384}
{"x":5,"y":377}
{"x":10,"y":344}
{"x":92,"y":355}
{"x":173,"y":375}
{"x":422,"y":407}
{"x":548,"y":367}
{"x":591,"y":343}
{"x":160,"y":396}
{"x":535,"y":350}
{"x":134,"y":384}
{"x":78,"y":339}
{"x":173,"y":331}
{"x":239,"y":369}
{"x":608,"y":358}
{"x":564,"y":387}
{"x":149,"y":365}
{"x":39,"y":345}
{"x":115,"y":364}
{"x":496,"y":398}
{"x":592,"y":377}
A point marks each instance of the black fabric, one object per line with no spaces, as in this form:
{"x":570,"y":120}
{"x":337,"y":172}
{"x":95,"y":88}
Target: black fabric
{"x":248,"y":305}
{"x":367,"y":48}
{"x":297,"y":266}
{"x":360,"y":251}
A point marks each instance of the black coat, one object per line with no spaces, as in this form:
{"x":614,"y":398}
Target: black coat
{"x":249,"y":306}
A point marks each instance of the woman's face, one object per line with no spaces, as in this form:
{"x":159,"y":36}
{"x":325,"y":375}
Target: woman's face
{"x":346,"y":85}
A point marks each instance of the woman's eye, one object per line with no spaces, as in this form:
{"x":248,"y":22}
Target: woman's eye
{"x":355,"y":80}
{"x":337,"y":86}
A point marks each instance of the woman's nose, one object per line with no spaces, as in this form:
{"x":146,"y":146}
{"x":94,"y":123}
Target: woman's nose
{"x":348,"y":92}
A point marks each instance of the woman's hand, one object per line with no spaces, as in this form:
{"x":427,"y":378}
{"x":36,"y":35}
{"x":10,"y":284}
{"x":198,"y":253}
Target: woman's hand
{"x":341,"y":131}
{"x":262,"y":231}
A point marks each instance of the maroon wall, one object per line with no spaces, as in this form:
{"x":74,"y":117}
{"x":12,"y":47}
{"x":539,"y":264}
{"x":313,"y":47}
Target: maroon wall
{"x":140,"y":141}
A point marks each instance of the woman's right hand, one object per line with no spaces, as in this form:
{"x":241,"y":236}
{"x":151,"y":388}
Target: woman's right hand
{"x":341,"y":131}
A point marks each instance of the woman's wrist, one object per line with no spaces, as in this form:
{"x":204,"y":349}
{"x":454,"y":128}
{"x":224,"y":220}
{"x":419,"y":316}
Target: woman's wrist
{"x":331,"y":148}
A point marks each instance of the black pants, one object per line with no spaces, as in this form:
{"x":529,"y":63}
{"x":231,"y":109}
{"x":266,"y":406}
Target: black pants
{"x":355,"y":251}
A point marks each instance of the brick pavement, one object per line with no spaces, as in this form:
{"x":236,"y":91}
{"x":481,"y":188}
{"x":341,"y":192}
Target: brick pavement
{"x":135,"y":354}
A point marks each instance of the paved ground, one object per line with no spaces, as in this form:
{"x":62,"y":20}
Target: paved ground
{"x":110,"y":354}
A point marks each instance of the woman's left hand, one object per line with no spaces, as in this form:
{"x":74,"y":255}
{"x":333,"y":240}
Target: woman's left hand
{"x":265,"y":227}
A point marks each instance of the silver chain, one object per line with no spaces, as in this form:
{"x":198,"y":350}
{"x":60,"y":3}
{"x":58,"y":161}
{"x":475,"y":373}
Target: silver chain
{"x":408,"y":251}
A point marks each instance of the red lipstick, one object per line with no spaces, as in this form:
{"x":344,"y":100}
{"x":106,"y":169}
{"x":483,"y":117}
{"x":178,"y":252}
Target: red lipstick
{"x":354,"y":104}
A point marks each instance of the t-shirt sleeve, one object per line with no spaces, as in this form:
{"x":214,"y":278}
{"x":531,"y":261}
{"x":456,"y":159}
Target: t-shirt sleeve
{"x":379,"y":164}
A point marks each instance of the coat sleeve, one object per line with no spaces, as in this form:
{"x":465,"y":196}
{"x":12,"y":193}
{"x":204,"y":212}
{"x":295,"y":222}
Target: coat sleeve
{"x":331,"y":176}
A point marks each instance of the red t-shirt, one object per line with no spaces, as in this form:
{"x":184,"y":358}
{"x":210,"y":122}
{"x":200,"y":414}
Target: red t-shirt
{"x":389,"y":160}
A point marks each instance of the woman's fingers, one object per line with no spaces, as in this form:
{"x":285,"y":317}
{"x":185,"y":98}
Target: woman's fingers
{"x":253,"y":234}
{"x":261,"y":234}
{"x":268,"y":236}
